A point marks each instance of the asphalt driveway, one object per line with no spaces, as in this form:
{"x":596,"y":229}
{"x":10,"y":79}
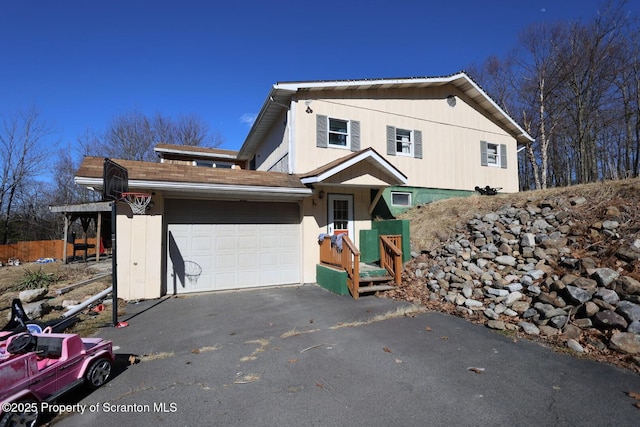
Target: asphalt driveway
{"x":302,"y":356}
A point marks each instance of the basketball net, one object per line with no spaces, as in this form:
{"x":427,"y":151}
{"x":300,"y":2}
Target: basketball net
{"x":137,"y":201}
{"x":192,"y":271}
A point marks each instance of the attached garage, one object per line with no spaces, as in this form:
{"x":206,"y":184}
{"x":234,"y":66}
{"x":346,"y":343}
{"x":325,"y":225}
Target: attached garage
{"x":216,"y":245}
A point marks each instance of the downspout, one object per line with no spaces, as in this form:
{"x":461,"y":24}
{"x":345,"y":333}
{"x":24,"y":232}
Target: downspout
{"x":291,"y":127}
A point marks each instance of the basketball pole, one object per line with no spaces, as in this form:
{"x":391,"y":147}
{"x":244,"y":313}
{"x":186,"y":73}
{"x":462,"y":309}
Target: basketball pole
{"x":114,"y":263}
{"x":115,"y":182}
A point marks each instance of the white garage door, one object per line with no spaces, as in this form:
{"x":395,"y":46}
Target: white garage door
{"x":215,"y":245}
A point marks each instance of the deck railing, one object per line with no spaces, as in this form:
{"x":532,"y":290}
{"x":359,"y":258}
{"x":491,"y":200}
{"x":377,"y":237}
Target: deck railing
{"x":351,"y":264}
{"x":391,"y":256}
{"x":347,"y":259}
{"x":329,"y":254}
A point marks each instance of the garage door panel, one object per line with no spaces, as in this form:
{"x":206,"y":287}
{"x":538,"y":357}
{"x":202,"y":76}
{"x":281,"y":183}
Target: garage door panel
{"x":268,"y":259}
{"x":289,"y":275}
{"x":227,"y":229}
{"x":269,"y":276}
{"x":224,"y":278}
{"x":226,"y":261}
{"x":247,"y":278}
{"x":248,"y":261}
{"x":237,"y":244}
{"x":269,"y":242}
{"x":226,"y":243}
{"x":247,"y":242}
{"x":201,"y":243}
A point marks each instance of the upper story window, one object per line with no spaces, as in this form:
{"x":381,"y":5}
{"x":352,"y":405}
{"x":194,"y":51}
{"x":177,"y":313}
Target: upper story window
{"x":493,"y":159}
{"x":404,"y":142}
{"x":494,"y":155}
{"x":337,"y":133}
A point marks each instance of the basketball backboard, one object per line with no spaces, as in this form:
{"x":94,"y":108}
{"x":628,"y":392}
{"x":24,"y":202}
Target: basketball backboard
{"x":116,"y":180}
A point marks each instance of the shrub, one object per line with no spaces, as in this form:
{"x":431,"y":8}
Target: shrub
{"x":34,"y":279}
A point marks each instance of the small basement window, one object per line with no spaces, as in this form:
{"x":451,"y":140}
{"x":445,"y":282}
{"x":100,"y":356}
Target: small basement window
{"x":400,"y":199}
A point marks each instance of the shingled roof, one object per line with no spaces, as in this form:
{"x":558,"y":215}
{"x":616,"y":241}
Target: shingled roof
{"x":149,"y":176}
{"x":195,"y":151}
{"x":92,"y":167}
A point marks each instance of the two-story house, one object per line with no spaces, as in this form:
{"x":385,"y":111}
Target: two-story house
{"x":322,"y":157}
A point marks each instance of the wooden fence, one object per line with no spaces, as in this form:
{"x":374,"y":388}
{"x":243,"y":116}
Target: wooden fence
{"x":32,"y":251}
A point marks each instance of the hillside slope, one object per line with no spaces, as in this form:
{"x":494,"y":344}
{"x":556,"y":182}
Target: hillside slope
{"x":560,"y":265}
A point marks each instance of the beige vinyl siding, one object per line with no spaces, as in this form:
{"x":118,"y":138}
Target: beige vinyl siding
{"x":314,"y":222}
{"x":451,"y":136}
{"x":359,"y":174}
{"x":139,"y":253}
{"x":272,"y":153}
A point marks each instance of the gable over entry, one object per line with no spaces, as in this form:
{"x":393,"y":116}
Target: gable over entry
{"x":362,"y":168}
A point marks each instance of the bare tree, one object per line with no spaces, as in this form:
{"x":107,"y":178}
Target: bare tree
{"x":66,"y":192}
{"x":538,"y":81}
{"x":24,"y":138}
{"x":134,"y":135}
{"x":192,"y":130}
{"x":575,"y":88}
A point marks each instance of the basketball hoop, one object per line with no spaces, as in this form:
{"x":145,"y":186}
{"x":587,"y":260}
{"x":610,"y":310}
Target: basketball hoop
{"x":137,"y":201}
{"x":192,"y":271}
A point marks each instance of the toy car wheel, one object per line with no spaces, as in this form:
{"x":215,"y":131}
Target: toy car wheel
{"x":21,"y":344}
{"x":98,"y":373}
{"x":28,"y":416}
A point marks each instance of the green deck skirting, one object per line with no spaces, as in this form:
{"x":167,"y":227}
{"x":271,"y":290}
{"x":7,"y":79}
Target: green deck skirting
{"x":396,"y":226}
{"x":335,"y":280}
{"x":332,"y":279}
{"x":369,"y":246}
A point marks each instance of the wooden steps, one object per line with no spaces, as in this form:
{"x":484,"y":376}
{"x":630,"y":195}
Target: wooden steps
{"x":367,"y":284}
{"x":374,"y":288}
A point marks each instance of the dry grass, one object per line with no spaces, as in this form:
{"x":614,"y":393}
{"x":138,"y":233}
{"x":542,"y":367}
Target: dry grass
{"x":65,"y":275}
{"x":208,"y":348}
{"x":246,"y":379}
{"x":434,"y":223}
{"x":295,"y":333}
{"x":405,"y":311}
{"x":156,"y":356}
{"x":262,"y":345}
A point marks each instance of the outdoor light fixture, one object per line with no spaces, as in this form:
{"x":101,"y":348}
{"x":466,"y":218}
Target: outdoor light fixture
{"x":308,"y":104}
{"x":321,"y":194}
{"x":451,"y":100}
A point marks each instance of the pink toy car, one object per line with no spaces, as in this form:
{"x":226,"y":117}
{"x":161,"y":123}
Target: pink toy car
{"x":39,"y":368}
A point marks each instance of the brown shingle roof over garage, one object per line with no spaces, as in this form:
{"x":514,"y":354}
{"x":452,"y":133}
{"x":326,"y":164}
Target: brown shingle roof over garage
{"x":182,"y":178}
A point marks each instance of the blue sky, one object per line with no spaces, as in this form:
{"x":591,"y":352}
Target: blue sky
{"x":81,"y":62}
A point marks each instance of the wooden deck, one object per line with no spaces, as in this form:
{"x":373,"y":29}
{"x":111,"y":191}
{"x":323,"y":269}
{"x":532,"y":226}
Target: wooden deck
{"x":360,"y":277}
